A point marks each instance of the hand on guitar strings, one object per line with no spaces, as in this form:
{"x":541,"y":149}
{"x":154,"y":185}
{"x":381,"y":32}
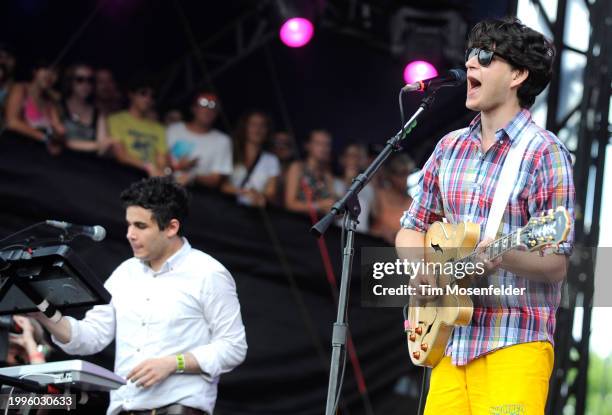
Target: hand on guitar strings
{"x":490,"y":265}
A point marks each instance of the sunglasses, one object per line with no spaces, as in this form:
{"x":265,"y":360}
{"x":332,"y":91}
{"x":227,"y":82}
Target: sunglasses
{"x":485,"y":57}
{"x":207,"y":103}
{"x":83,"y":79}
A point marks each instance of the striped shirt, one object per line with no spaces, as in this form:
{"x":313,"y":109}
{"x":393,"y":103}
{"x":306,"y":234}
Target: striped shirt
{"x":458,"y":182}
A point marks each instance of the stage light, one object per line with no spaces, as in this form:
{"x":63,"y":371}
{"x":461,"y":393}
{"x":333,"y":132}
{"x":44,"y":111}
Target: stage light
{"x":419,"y":70}
{"x":296,"y":32}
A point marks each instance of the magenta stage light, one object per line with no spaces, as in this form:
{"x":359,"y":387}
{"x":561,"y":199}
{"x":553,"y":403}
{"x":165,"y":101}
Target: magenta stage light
{"x":296,"y":32}
{"x":419,"y":70}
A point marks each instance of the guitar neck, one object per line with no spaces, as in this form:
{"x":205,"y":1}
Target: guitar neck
{"x":499,"y":246}
{"x":548,"y":229}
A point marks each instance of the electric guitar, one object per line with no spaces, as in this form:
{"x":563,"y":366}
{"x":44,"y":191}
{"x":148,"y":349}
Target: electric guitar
{"x":429,"y":324}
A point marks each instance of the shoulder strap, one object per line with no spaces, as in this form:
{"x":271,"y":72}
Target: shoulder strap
{"x":250,"y":170}
{"x":443,"y":174}
{"x":506,"y":182}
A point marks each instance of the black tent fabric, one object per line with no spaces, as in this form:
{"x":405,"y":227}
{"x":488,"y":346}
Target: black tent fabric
{"x":286,"y":369}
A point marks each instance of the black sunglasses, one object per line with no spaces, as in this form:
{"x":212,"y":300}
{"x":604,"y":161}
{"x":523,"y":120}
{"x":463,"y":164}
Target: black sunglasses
{"x":484,"y":56}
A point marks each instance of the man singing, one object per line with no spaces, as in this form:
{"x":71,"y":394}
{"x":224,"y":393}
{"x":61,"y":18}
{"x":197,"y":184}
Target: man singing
{"x":174,"y":312}
{"x":502,"y":360}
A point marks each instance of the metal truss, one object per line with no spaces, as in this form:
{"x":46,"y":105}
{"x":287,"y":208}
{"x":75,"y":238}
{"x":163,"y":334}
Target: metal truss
{"x":209,"y":58}
{"x":206,"y":60}
{"x":587,"y":137}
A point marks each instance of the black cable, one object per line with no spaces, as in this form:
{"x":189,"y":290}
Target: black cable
{"x":294,"y":288}
{"x":22,"y":230}
{"x":422,"y":394}
{"x":77,"y":33}
{"x":343,"y":231}
{"x":339,"y":390}
{"x":401,"y":108}
{"x":199,"y":57}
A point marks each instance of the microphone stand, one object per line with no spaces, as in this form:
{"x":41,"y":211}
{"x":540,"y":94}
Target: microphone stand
{"x":349,"y":205}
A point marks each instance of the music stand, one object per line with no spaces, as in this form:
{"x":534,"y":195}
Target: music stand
{"x":52,"y":273}
{"x":49,"y":279}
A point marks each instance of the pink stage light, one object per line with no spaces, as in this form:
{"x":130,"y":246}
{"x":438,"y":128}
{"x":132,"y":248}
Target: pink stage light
{"x":419,"y":70}
{"x":296,"y":32}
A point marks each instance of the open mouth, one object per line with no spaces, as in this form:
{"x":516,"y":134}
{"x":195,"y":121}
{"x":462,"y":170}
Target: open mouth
{"x":473,"y":84}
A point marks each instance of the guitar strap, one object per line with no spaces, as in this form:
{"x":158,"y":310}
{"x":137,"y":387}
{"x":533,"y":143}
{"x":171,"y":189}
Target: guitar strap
{"x":507,"y":181}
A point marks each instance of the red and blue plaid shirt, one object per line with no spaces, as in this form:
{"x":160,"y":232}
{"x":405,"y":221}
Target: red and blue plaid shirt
{"x":458,"y":182}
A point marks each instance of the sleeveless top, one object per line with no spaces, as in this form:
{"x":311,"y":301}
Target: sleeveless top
{"x":319,"y":186}
{"x":77,"y":130}
{"x":36,"y":117}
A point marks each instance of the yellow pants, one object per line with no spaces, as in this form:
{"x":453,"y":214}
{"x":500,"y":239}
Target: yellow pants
{"x":508,"y":381}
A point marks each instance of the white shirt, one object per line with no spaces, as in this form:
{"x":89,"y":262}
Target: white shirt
{"x":366,"y":199}
{"x":189,"y":305}
{"x":212,"y":149}
{"x":267,"y":167}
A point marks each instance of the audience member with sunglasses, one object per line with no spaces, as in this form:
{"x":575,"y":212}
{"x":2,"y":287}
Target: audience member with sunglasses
{"x":502,"y":360}
{"x":141,"y":140}
{"x":85,"y":126}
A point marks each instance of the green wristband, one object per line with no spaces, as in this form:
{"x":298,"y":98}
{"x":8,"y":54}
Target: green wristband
{"x":180,"y":363}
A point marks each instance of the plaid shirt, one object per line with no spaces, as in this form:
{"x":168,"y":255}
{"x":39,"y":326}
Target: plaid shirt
{"x":458,"y":182}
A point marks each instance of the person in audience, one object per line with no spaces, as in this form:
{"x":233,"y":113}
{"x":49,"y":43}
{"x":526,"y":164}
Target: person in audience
{"x":198,"y":152}
{"x":29,"y":346}
{"x":284,"y":148}
{"x":310,"y":183}
{"x":353,"y":161}
{"x":108,"y":96}
{"x":392,"y":197}
{"x":255,"y":171}
{"x":141,"y":142}
{"x":32,"y":109}
{"x":85,"y":126}
{"x":7,"y":70}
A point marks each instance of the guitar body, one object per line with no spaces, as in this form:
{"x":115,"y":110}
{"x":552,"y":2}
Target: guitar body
{"x":431,"y":324}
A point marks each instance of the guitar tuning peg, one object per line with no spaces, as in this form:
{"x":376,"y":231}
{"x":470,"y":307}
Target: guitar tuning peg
{"x":424,"y":347}
{"x":418,"y":330}
{"x":416,"y":355}
{"x":412,"y":337}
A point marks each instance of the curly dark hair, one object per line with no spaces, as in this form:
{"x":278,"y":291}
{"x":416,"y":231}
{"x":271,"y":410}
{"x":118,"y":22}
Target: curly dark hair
{"x":523,"y":47}
{"x":162,"y":195}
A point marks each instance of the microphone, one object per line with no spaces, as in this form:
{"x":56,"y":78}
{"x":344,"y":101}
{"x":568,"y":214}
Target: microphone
{"x":454,"y":77}
{"x":97,"y":232}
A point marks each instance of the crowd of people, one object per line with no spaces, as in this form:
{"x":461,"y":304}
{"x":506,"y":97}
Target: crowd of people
{"x":83,"y":109}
